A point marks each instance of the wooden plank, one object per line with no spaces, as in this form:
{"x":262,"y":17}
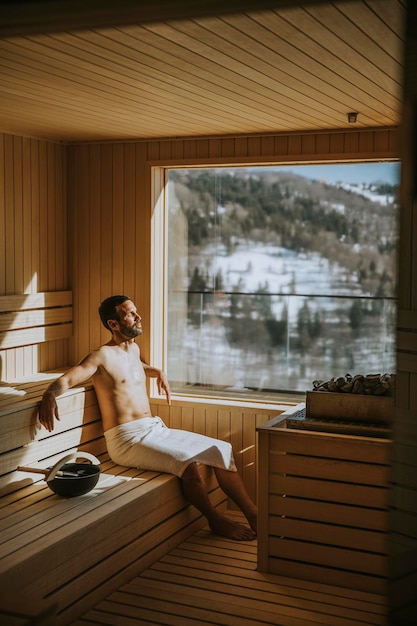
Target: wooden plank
{"x":35,"y":335}
{"x":31,"y":318}
{"x":349,"y":447}
{"x":330,"y":491}
{"x":118,"y":218}
{"x":35,"y":212}
{"x":27,"y":609}
{"x":21,"y":396}
{"x":2,"y":215}
{"x":9,"y":214}
{"x":40,"y":300}
{"x":331,"y":534}
{"x":47,"y":449}
{"x":263,"y":473}
{"x":331,"y":513}
{"x":30,"y":432}
{"x":43,"y":217}
{"x":18,"y":214}
{"x":332,"y":469}
{"x":331,"y":576}
{"x":94,"y":233}
{"x":51,"y":216}
{"x":130,"y":184}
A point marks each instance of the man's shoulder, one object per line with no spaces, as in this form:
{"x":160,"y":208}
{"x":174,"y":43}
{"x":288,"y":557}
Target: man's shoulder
{"x":108,"y":350}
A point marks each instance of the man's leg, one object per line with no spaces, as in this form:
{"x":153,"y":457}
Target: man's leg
{"x":195,"y":492}
{"x":232,"y":485}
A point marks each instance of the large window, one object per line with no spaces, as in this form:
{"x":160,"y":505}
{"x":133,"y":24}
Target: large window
{"x":279,"y":276}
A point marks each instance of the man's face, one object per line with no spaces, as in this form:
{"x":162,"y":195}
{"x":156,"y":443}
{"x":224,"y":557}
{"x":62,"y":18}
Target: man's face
{"x":129,"y":320}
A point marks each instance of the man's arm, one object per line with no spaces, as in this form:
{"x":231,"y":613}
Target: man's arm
{"x":48,"y":409}
{"x":161,"y":380}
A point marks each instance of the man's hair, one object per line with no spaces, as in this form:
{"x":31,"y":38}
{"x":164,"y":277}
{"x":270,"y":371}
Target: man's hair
{"x":108,"y":309}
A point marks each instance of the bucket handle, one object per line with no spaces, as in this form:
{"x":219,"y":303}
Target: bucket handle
{"x":83,"y":455}
{"x":55,"y":470}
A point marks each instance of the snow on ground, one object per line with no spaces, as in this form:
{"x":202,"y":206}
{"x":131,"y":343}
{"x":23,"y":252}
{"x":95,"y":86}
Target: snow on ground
{"x":279,"y":270}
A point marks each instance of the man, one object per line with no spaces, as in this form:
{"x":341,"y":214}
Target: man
{"x":136,"y":439}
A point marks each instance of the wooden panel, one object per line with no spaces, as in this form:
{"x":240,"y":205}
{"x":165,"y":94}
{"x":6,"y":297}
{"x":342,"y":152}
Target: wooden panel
{"x":329,"y":468}
{"x":403,"y":545}
{"x":325,"y":502}
{"x":36,"y":335}
{"x":331,"y":512}
{"x":32,"y":319}
{"x":25,"y":319}
{"x":309,"y":487}
{"x":330,"y":576}
{"x":329,"y":556}
{"x":266,"y":71}
{"x":33,"y":239}
{"x":364,"y":540}
{"x":23,"y":610}
{"x":333,"y":446}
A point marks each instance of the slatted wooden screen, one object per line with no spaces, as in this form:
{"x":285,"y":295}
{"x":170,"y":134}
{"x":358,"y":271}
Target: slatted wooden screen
{"x":324,"y":507}
{"x":33,"y":239}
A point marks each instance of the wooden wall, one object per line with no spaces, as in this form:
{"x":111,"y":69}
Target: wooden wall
{"x":403,"y":523}
{"x":33,"y":239}
{"x":108,"y":192}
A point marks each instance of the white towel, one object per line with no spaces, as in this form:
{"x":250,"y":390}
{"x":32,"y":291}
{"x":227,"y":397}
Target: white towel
{"x":147,"y":443}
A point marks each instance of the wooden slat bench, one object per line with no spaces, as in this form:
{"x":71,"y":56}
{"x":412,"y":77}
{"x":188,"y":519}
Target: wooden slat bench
{"x":73,"y":552}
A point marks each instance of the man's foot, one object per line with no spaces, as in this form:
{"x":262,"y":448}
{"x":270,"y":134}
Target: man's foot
{"x":253,"y":520}
{"x":231,"y":530}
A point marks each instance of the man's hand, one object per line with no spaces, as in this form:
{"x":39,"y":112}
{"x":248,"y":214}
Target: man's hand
{"x":161,"y":380}
{"x":48,"y":410}
{"x":163,"y":386}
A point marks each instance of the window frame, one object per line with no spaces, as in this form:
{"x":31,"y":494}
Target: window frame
{"x":158,"y":174}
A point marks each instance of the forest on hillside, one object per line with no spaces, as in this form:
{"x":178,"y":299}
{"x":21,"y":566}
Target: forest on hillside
{"x":296,"y":213}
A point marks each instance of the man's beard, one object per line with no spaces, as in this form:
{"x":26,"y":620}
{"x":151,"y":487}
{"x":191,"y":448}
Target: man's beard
{"x":130,"y":331}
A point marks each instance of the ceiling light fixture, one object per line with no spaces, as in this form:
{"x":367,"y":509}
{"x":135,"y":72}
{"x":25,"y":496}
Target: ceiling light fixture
{"x":352,"y":118}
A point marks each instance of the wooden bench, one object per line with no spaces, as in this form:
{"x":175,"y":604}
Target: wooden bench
{"x":71,"y":553}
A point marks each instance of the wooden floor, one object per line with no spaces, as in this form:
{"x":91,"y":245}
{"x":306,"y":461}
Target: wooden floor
{"x":210,"y":580}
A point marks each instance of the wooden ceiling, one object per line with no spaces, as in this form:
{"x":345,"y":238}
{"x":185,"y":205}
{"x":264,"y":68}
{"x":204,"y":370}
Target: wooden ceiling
{"x":279,"y":69}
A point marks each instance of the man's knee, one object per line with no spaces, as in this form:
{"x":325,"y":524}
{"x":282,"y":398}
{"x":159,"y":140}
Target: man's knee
{"x":192,"y":474}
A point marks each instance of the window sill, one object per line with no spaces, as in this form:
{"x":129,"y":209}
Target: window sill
{"x":274,"y":401}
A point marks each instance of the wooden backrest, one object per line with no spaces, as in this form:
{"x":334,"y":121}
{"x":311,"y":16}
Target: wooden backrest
{"x":28,"y":319}
{"x":23,"y":442}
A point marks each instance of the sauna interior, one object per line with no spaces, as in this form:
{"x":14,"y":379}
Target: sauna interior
{"x":97,"y":99}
